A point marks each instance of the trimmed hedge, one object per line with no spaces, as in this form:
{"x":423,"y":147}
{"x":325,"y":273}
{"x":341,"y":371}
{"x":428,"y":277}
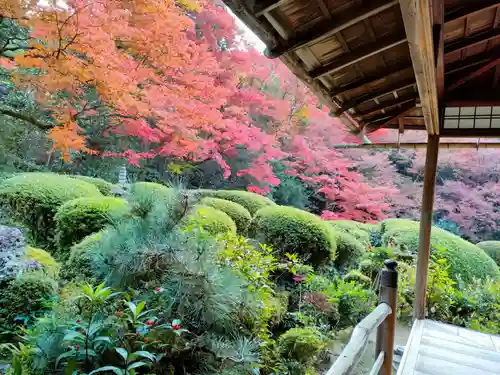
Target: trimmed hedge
{"x":349,"y":249}
{"x":80,"y":217}
{"x":291,"y":230}
{"x":360,"y":231}
{"x":492,"y":248}
{"x":34,"y":198}
{"x":235,"y":211}
{"x":49,"y":264}
{"x":104,"y":186}
{"x":251,"y":201}
{"x":466,"y":260}
{"x":82,"y":258}
{"x":212,"y":220}
{"x":156,"y":191}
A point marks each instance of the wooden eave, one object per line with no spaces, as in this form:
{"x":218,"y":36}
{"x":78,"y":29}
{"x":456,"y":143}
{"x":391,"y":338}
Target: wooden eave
{"x":385,"y":63}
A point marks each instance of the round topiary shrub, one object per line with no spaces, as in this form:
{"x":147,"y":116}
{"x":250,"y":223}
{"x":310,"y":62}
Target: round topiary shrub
{"x":235,"y":211}
{"x":291,"y":230}
{"x":34,"y":198}
{"x":212,"y":220}
{"x":359,"y":231}
{"x":467,"y":261}
{"x":349,"y":249}
{"x":251,"y":201}
{"x":152,"y":189}
{"x":104,"y":186}
{"x":80,"y":217}
{"x":23,"y":300}
{"x":82,"y":259}
{"x":300,"y":344}
{"x":45,"y":260}
{"x":492,"y":248}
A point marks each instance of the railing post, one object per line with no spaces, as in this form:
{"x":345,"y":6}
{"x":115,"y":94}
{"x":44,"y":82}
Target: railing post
{"x":388,"y":293}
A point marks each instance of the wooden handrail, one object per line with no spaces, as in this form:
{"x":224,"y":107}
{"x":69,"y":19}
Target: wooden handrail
{"x":382,"y":319}
{"x":351,"y":355}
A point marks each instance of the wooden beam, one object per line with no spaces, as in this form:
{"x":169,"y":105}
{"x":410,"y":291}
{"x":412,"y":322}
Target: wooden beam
{"x":425,"y":226}
{"x":470,"y":10}
{"x":496,"y":21}
{"x":472,"y":41}
{"x":496,"y":77}
{"x":401,"y":125}
{"x":419,"y":145}
{"x":331,"y":26}
{"x":418,"y":25}
{"x":471,"y":133}
{"x":357,"y":55}
{"x":384,"y":106}
{"x":385,"y":74}
{"x":486,"y":67}
{"x":471,"y":61}
{"x":267,"y":6}
{"x":438,"y":33}
{"x":383,"y":121}
{"x":378,"y":94}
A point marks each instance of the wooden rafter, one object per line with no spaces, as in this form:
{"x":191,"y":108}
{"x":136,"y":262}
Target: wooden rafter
{"x":384,"y":120}
{"x":472,"y":41}
{"x":378,"y":94}
{"x":484,"y":68}
{"x":325,"y":29}
{"x":384,"y":106}
{"x":471,"y":61}
{"x":267,"y":6}
{"x":470,"y":10}
{"x":418,"y":25}
{"x":369,"y":80}
{"x":357,"y":55}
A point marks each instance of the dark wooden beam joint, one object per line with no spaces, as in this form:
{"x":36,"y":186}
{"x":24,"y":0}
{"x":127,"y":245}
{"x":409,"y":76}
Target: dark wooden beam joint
{"x":474,"y":40}
{"x":483,"y":69}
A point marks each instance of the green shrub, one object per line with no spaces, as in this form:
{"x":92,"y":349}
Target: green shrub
{"x":492,"y":248}
{"x":251,"y":201}
{"x":357,"y":277}
{"x":80,"y":217}
{"x":154,"y":190}
{"x":235,"y":211}
{"x":82,"y":258}
{"x":49,"y":264}
{"x":34,"y":198}
{"x":467,"y":261}
{"x":104,"y":186}
{"x":291,"y":230}
{"x":212,"y":220}
{"x":23,"y":300}
{"x":349,"y":249}
{"x":301,"y":344}
{"x":359,"y":231}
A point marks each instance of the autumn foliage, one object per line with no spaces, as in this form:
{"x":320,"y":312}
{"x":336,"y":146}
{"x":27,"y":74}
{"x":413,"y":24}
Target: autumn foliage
{"x":179,"y":78}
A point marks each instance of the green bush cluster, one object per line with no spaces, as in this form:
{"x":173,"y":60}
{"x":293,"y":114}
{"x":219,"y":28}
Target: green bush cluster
{"x":34,"y":198}
{"x":301,"y":344}
{"x":251,"y":201}
{"x":46,"y":261}
{"x":349,"y":249}
{"x":291,"y":230}
{"x":80,"y":217}
{"x":212,"y":220}
{"x":235,"y":211}
{"x":152,"y":189}
{"x":23,"y":300}
{"x":467,"y":261}
{"x":360,"y":231}
{"x":104,"y":186}
{"x":492,"y":248}
{"x":82,"y":258}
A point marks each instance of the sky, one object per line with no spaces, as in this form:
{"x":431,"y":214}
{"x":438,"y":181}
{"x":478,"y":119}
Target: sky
{"x":249,"y":35}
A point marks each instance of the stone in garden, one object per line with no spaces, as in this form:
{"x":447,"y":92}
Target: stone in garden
{"x":12,"y":251}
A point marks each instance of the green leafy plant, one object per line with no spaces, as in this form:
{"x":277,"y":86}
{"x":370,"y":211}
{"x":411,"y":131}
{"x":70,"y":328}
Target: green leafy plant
{"x":235,"y":211}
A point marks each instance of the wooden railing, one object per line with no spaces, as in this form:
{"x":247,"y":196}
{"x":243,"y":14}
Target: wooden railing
{"x":383,"y":319}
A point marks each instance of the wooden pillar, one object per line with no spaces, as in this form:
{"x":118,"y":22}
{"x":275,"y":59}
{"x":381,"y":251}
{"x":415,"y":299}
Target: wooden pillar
{"x":388,"y":293}
{"x":425,"y":226}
